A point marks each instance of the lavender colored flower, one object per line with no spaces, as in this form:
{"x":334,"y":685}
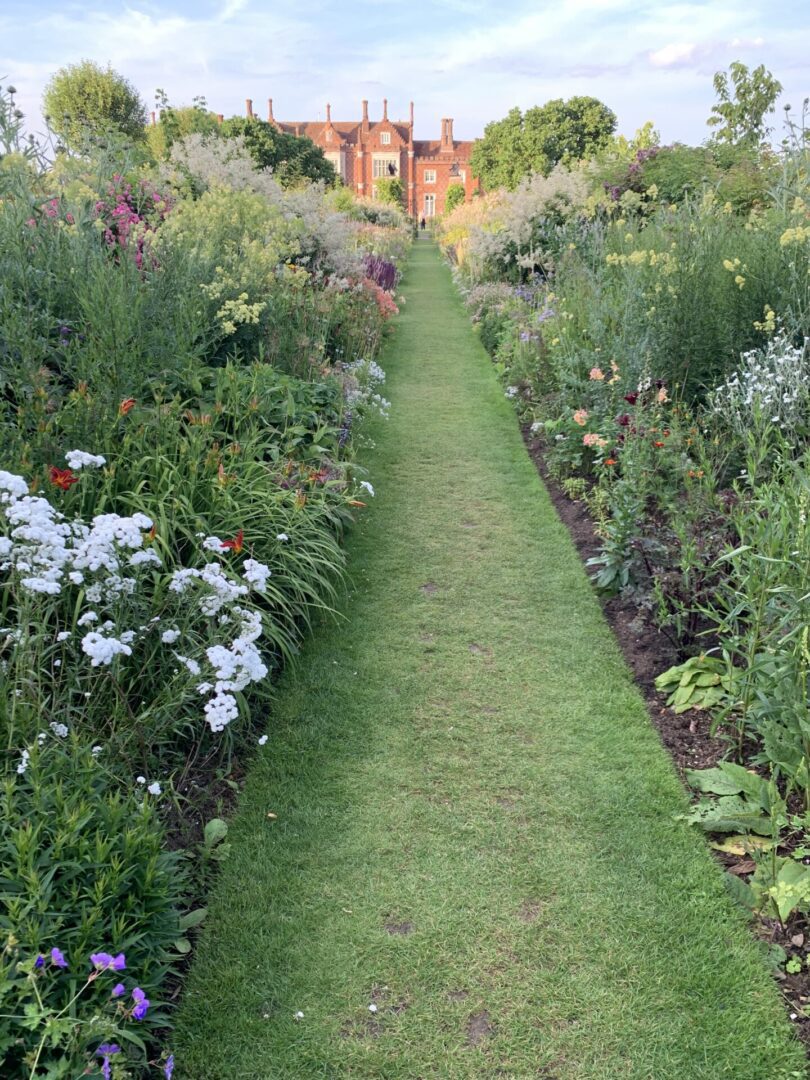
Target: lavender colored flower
{"x":103,"y":961}
{"x":105,"y":1052}
{"x":39,"y":962}
{"x":141,"y":1004}
{"x":58,"y":958}
{"x":168,"y":1068}
{"x":118,"y":990}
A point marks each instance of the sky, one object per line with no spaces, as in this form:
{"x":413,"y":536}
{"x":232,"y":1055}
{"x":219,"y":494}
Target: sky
{"x":472,"y":60}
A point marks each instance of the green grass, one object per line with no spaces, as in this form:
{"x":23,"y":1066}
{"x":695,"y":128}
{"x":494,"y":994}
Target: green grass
{"x":465,"y":758}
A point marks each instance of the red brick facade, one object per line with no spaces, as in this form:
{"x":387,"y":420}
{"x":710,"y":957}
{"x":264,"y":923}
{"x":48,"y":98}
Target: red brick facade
{"x":367,"y":150}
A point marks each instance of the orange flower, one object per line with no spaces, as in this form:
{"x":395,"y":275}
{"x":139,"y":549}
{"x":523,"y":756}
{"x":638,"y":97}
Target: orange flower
{"x":150,"y":536}
{"x":127,"y":405}
{"x":236,"y":544}
{"x":62,"y":478}
{"x":580,"y":417}
{"x":356,"y":502}
{"x":658,"y":444}
{"x":695,"y":474}
{"x":609,"y":461}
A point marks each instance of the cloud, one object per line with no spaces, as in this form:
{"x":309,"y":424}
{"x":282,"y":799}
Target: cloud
{"x":673,"y":55}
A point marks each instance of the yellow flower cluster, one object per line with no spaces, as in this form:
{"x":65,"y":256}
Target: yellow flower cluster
{"x":798,"y":235}
{"x":234,"y":313}
{"x":664,"y":261}
{"x":768,"y":324}
{"x":734,"y":266}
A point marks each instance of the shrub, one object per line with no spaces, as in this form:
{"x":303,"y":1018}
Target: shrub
{"x":84,"y":97}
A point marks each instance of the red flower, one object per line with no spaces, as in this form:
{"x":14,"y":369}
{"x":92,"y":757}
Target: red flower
{"x":62,"y":478}
{"x":631,"y":399}
{"x":236,"y":544}
{"x":609,"y":461}
{"x":126,"y":406}
{"x":658,"y":444}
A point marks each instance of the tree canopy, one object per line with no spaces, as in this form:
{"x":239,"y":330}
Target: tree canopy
{"x":86,"y":98}
{"x":292,"y":158}
{"x":745,"y":98}
{"x":559,"y":131}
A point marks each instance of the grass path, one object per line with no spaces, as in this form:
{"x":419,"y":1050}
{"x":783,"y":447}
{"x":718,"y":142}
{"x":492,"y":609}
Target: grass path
{"x":475,"y":820}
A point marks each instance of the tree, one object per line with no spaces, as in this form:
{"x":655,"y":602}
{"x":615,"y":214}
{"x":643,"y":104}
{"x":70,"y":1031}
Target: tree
{"x":744,"y":102}
{"x":84,"y":97}
{"x":390,"y":190}
{"x":547,"y":135}
{"x":174,"y":124}
{"x":293,"y":159}
{"x":455,"y":197}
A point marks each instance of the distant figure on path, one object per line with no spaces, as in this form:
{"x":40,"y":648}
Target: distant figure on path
{"x":422,"y":224}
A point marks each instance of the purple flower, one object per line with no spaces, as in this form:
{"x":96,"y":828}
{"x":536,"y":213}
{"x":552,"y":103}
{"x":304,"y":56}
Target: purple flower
{"x":39,"y":962}
{"x":168,"y":1068}
{"x":141,"y":1004}
{"x":58,"y":958}
{"x":118,"y":990}
{"x":103,"y":961}
{"x":105,"y":1052}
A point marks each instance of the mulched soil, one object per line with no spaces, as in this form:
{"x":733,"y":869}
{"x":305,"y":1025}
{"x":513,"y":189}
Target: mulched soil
{"x":686,"y":737}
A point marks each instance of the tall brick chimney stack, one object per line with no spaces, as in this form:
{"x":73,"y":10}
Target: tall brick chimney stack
{"x":385,"y":108}
{"x":328,"y":113}
{"x":365,"y":115}
{"x":154,"y":120}
{"x":447,"y":134}
{"x":270,"y":117}
{"x":249,"y":106}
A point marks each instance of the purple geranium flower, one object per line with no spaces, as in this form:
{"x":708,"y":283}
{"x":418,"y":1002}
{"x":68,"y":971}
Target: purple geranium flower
{"x":105,"y":962}
{"x":168,"y":1068}
{"x":39,"y":962}
{"x":105,"y":1052}
{"x":141,"y":1004}
{"x":118,"y":990}
{"x":58,"y":958}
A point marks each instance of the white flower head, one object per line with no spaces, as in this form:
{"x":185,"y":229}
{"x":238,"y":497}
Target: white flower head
{"x":154,"y":788}
{"x":367,"y":486}
{"x":78,"y":459}
{"x":283,"y":538}
{"x":262,"y":740}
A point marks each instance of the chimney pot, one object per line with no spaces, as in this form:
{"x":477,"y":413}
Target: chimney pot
{"x":365,"y":111}
{"x":249,"y":106}
{"x":270,"y":109}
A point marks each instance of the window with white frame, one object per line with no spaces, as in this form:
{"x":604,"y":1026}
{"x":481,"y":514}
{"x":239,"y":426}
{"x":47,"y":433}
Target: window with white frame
{"x":430,"y":176}
{"x":385,"y":138}
{"x":430,"y":205}
{"x":384,"y":165}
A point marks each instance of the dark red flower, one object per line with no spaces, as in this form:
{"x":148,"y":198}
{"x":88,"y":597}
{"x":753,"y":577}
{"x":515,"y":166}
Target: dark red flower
{"x":236,"y":544}
{"x":62,"y":478}
{"x":631,"y":399}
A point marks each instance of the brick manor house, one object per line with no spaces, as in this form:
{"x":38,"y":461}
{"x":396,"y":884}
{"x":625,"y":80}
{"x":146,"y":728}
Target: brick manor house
{"x":363,"y":151}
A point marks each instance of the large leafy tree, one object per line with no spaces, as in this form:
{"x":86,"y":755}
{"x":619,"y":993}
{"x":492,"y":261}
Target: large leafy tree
{"x":86,"y":98}
{"x":292,"y":158}
{"x":745,"y":99}
{"x":559,"y":131}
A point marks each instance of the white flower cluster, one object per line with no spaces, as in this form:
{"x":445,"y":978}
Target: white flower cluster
{"x":361,"y":379}
{"x":80,"y":459}
{"x":45,"y":554}
{"x":771,"y":383}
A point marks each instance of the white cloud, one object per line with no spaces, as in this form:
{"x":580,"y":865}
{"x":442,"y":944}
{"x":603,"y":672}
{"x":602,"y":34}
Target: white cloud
{"x":673,"y":54}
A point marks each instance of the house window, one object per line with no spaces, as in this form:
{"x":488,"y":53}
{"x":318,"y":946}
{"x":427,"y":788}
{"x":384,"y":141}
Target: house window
{"x":385,"y":165}
{"x":385,"y":138}
{"x":430,"y":176}
{"x":430,"y":205}
{"x":462,"y":175}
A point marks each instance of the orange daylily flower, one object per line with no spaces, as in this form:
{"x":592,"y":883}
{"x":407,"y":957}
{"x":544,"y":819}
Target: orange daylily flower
{"x":62,"y":478}
{"x":609,"y":461}
{"x":356,"y":502}
{"x":236,"y":544}
{"x":127,"y":405}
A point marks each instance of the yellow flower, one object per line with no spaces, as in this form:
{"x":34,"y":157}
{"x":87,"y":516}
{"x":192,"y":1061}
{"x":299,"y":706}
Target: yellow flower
{"x":739,"y":280}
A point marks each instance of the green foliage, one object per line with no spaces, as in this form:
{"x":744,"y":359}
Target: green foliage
{"x":85,"y":97}
{"x":82,"y":869}
{"x":455,"y":197}
{"x":745,"y":99}
{"x":557,"y":132}
{"x":293,"y":159}
{"x":702,"y":682}
{"x":177,"y":123}
{"x":390,"y":189}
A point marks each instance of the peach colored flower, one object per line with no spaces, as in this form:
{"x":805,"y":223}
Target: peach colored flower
{"x":592,"y":439}
{"x":662,"y":395}
{"x":597,"y":374}
{"x":581,"y":417}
